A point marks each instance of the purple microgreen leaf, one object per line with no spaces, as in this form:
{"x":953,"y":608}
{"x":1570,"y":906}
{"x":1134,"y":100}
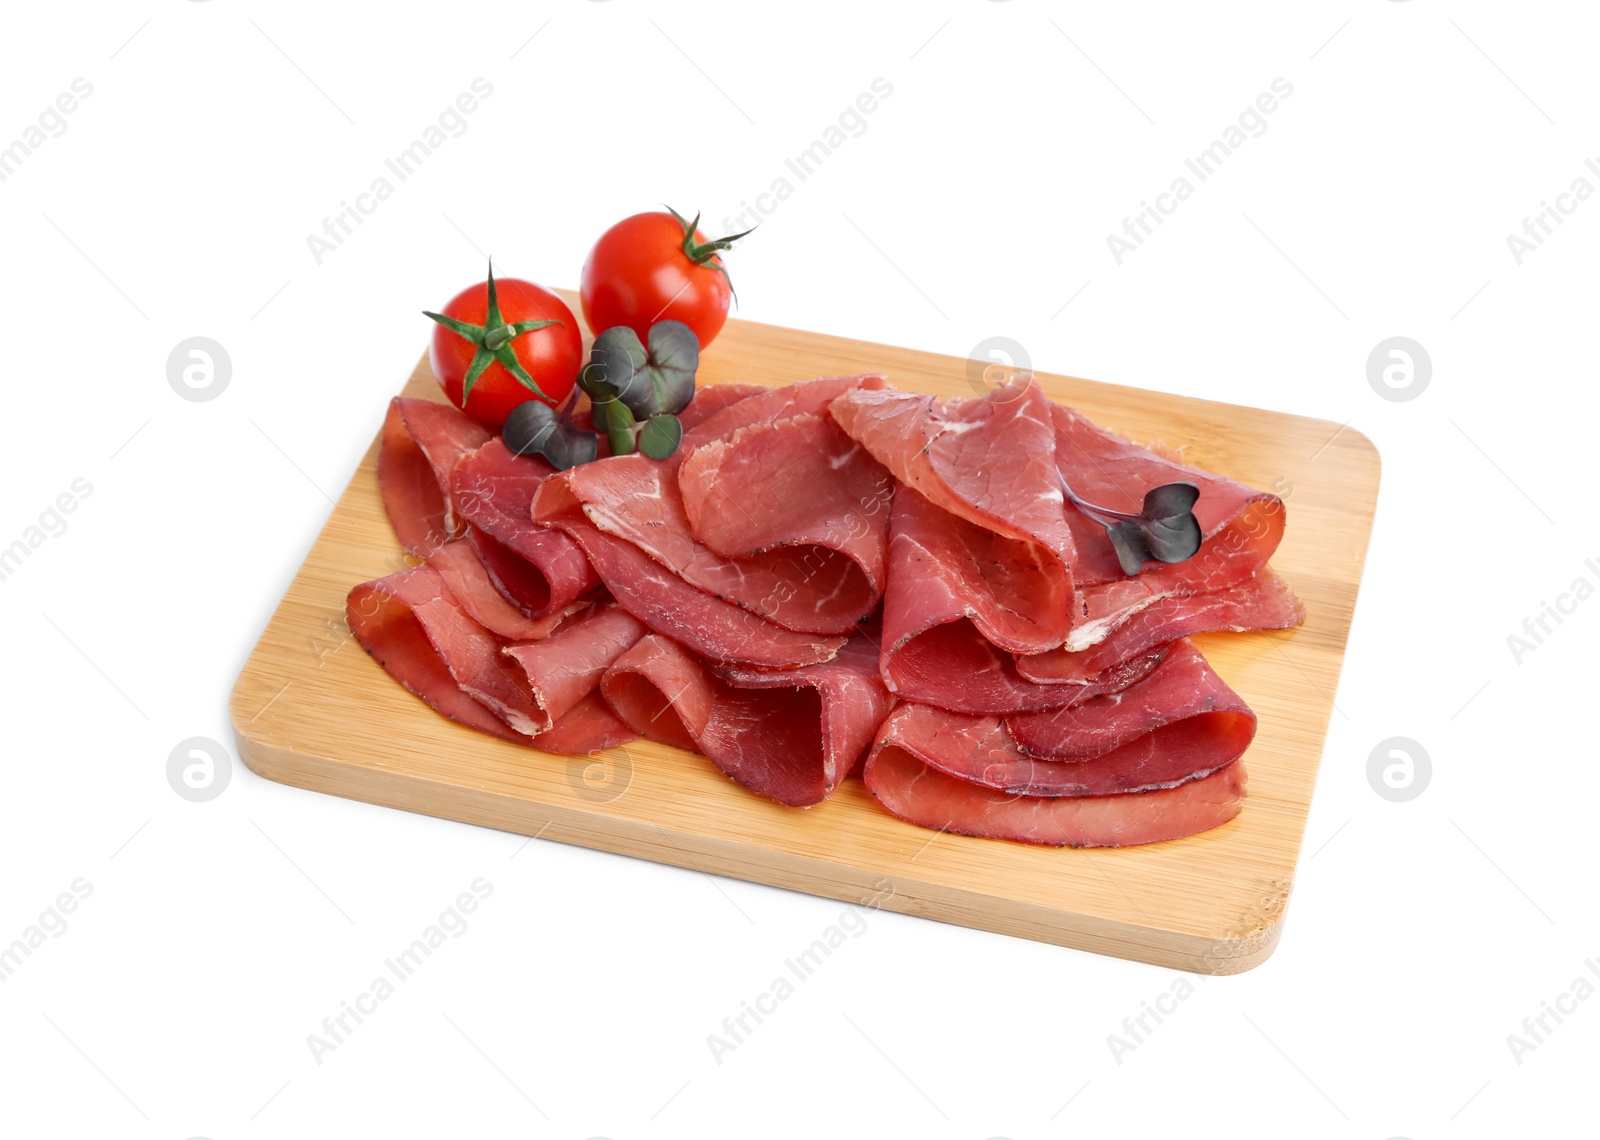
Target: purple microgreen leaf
{"x":534,"y":427}
{"x":1165,"y":530}
{"x":673,"y":359}
{"x":1129,"y":543}
{"x":620,"y":360}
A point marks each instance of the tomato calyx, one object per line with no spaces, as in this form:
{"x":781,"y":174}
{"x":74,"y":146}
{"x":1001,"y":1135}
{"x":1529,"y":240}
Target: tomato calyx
{"x":703,"y":252}
{"x":493,"y":341}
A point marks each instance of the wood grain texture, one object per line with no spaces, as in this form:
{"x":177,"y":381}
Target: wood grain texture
{"x":313,"y":710}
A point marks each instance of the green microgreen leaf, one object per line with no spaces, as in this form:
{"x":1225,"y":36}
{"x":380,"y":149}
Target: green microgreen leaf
{"x":660,"y":436}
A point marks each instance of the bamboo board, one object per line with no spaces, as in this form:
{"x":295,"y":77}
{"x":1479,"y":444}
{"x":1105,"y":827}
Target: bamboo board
{"x":311,"y":709}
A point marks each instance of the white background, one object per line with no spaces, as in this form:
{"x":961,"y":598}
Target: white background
{"x":977,"y":203}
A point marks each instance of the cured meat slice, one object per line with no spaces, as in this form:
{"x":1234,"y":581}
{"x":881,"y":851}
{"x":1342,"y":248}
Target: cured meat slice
{"x":944,"y":568}
{"x":421,"y":443}
{"x":1262,"y":601}
{"x":953,"y":666}
{"x":901,"y":773}
{"x":1181,"y":690}
{"x":586,"y":728}
{"x":1241,"y":526}
{"x":791,"y":736}
{"x":791,"y":484}
{"x":943,"y":621}
{"x":708,"y":401}
{"x":566,"y":667}
{"x":537,"y":569}
{"x":811,"y":397}
{"x":1179,"y":721}
{"x":990,"y":514}
{"x":469,"y":582}
{"x":669,"y":605}
{"x":413,"y":626}
{"x":808,"y":588}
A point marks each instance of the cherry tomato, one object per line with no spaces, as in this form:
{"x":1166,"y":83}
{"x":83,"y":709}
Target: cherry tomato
{"x":505,"y":342}
{"x":653,"y":267}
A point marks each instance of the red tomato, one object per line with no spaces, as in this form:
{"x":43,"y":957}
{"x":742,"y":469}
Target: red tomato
{"x":549,"y":356}
{"x":653,"y":267}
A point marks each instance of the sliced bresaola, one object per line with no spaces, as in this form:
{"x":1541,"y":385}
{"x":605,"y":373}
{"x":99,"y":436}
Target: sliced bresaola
{"x":791,"y":736}
{"x":385,"y":619}
{"x":1198,"y":740}
{"x":669,"y":605}
{"x":1180,"y":721}
{"x":903,"y":771}
{"x":942,"y":618}
{"x":538,"y":569}
{"x":567,"y":666}
{"x":985,"y":516}
{"x":464,"y":574}
{"x":587,"y":727}
{"x":801,"y":487}
{"x":415,"y":628}
{"x":807,"y":588}
{"x":710,"y":400}
{"x":1262,"y":601}
{"x":421,"y":444}
{"x":953,"y":666}
{"x":469,"y":653}
{"x":1241,"y":527}
{"x":808,"y":397}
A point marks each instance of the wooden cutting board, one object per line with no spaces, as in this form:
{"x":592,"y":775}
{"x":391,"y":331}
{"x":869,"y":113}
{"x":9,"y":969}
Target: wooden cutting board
{"x":313,"y":710}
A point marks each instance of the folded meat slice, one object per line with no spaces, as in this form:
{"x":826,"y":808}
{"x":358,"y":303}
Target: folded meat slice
{"x":953,"y":666}
{"x":808,"y":397}
{"x":710,"y":400}
{"x":587,"y":727}
{"x":567,"y":666}
{"x":799,"y":486}
{"x":537,"y":569}
{"x":667,"y":604}
{"x":909,"y":767}
{"x":807,"y":588}
{"x":792,"y":736}
{"x":420,"y":446}
{"x":987,"y":513}
{"x":944,"y":624}
{"x":385,"y":619}
{"x":1179,"y":723}
{"x":417,"y":630}
{"x":1262,"y":601}
{"x":1241,"y":526}
{"x":469,"y":582}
